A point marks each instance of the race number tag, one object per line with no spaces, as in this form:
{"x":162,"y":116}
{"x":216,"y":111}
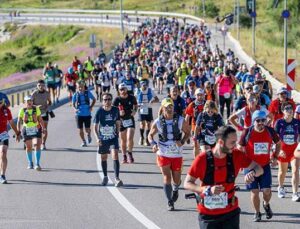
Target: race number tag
{"x":71,"y":84}
{"x":107,"y":131}
{"x":289,"y":139}
{"x":216,"y":201}
{"x":127,"y":123}
{"x":261,"y":148}
{"x":44,"y":115}
{"x":227,"y":95}
{"x":4,"y":136}
{"x":173,"y":149}
{"x":57,"y":79}
{"x":210,"y":139}
{"x":144,"y":110}
{"x":30,"y":131}
{"x":129,"y":87}
{"x":99,"y":81}
{"x":50,"y":79}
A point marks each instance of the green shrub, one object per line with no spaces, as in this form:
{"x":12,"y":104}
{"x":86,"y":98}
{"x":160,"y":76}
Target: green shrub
{"x":245,"y":21}
{"x":211,"y":9}
{"x":35,"y":51}
{"x":9,"y":57}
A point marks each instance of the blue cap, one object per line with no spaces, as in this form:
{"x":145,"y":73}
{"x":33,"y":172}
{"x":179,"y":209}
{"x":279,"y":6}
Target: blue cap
{"x":282,"y":90}
{"x":70,"y":70}
{"x":259,"y":114}
{"x":191,"y":81}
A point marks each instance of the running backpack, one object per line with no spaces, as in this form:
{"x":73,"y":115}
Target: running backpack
{"x":176,"y":132}
{"x":86,"y":99}
{"x":140,"y":95}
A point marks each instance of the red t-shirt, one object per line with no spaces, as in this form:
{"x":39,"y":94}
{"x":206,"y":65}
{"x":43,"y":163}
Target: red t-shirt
{"x":190,"y":110}
{"x":258,"y":144}
{"x":275,"y":109}
{"x":5,"y":116}
{"x":71,"y":77}
{"x":198,"y":169}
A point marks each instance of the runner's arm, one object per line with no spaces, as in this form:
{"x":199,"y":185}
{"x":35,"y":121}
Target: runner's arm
{"x":232,"y":119}
{"x":190,"y":184}
{"x":14,"y":127}
{"x":186,"y":130}
{"x":152,"y":133}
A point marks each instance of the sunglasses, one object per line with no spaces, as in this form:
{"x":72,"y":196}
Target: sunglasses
{"x":289,"y":108}
{"x":260,"y":120}
{"x":41,"y":85}
{"x":249,"y":88}
{"x":123,"y":89}
{"x":106,"y":100}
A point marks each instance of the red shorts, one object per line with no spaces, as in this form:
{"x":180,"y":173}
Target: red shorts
{"x":175,"y":163}
{"x":289,"y":152}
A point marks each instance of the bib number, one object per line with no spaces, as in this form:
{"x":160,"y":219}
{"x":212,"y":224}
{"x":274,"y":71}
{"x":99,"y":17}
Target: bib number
{"x":50,"y":79}
{"x":129,"y":87}
{"x":210,"y":139}
{"x":107,"y":131}
{"x":144,"y":110}
{"x":289,"y":139}
{"x":216,"y":201}
{"x":57,"y":79}
{"x":98,"y":81}
{"x":227,"y":95}
{"x":261,"y":148}
{"x":31,"y":131}
{"x":71,"y":84}
{"x":127,"y":123}
{"x":4,"y":136}
{"x":172,"y":149}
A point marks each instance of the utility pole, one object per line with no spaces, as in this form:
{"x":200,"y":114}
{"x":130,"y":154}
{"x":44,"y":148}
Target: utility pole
{"x":238,"y":19}
{"x":253,"y":26}
{"x":203,"y":7}
{"x":121,"y":16}
{"x":285,"y":40}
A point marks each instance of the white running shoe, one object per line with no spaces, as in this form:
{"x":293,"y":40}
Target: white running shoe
{"x":281,"y":192}
{"x":296,"y":197}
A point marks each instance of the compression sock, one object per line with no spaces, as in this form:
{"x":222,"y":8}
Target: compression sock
{"x":142,"y":133}
{"x":147,"y":133}
{"x":168,"y":191}
{"x":117,"y":168}
{"x":29,"y":157}
{"x":104,"y":167}
{"x":38,"y":157}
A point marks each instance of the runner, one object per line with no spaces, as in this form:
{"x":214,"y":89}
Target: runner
{"x":89,"y":67}
{"x":33,"y":126}
{"x":70,"y":79}
{"x":106,"y":80}
{"x":5,"y":118}
{"x":49,"y":74}
{"x":170,"y":128}
{"x":189,"y":94}
{"x":159,"y":73}
{"x":145,"y":97}
{"x":75,"y":63}
{"x":83,"y":108}
{"x":256,"y":142}
{"x":127,"y":105}
{"x":179,"y":103}
{"x":169,"y":78}
{"x":217,"y":169}
{"x":192,"y":112}
{"x":288,"y":129}
{"x":58,"y":81}
{"x":4,"y":99}
{"x":95,"y":74}
{"x":41,"y":99}
{"x":106,"y":129}
{"x":208,"y":122}
{"x":130,"y":83}
{"x":182,"y":73}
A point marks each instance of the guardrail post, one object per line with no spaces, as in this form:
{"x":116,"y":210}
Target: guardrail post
{"x":18,"y":99}
{"x":23,"y":95}
{"x":12,"y":100}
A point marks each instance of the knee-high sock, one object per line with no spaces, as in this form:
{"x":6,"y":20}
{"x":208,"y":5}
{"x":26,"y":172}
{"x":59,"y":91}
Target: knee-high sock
{"x":29,"y":157}
{"x":117,"y":168}
{"x":104,"y":167}
{"x":38,"y":156}
{"x":168,"y":191}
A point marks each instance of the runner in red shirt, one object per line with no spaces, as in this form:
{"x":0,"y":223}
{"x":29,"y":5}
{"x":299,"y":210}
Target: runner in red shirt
{"x":76,"y":63}
{"x":218,"y":206}
{"x":257,"y":141}
{"x":5,"y":118}
{"x":70,"y":79}
{"x":275,"y":106}
{"x":192,"y":112}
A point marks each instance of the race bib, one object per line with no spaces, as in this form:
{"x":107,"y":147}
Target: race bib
{"x":172,"y":150}
{"x":57,"y":79}
{"x":98,"y":81}
{"x":50,"y":79}
{"x":129,"y":87}
{"x":227,"y":95}
{"x":210,"y":139}
{"x":216,"y":201}
{"x":44,"y":115}
{"x":107,"y":131}
{"x":261,"y":148}
{"x":31,"y":131}
{"x":144,"y":110}
{"x":71,"y":84}
{"x":4,"y":136}
{"x":127,"y":123}
{"x":289,"y":139}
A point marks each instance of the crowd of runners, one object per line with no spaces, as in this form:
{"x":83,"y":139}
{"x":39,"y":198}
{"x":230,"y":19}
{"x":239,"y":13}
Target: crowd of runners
{"x":224,"y":110}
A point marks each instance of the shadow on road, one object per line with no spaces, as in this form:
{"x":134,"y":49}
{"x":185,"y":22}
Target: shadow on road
{"x":70,"y":170}
{"x":32,"y":182}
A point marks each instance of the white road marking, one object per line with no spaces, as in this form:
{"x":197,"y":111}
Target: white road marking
{"x":125,"y":203}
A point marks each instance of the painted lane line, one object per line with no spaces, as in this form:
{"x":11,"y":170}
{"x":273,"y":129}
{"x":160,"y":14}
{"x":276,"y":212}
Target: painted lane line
{"x":125,"y":203}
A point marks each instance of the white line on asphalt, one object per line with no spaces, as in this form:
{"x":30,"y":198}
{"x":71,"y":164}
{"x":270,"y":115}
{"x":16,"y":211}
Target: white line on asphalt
{"x":126,"y":204}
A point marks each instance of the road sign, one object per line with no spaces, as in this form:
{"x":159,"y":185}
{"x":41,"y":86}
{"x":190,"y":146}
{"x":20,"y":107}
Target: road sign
{"x":253,"y":14}
{"x":93,"y":41}
{"x":285,"y":14}
{"x":291,"y":73}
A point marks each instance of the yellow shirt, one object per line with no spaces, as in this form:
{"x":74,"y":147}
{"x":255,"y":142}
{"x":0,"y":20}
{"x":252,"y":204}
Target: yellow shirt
{"x":30,"y":122}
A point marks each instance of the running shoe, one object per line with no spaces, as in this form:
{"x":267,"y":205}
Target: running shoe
{"x":130,"y":158}
{"x":171,"y":205}
{"x":147,"y":143}
{"x":3,"y":179}
{"x":37,"y":168}
{"x":175,"y":196}
{"x":43,"y":147}
{"x":296,"y":197}
{"x":104,"y":181}
{"x":57,"y":100}
{"x":268,"y":210}
{"x":124,"y":159}
{"x":118,"y":182}
{"x":141,"y":141}
{"x":83,"y":144}
{"x":281,"y":192}
{"x":257,"y":217}
{"x":30,"y":165}
{"x":89,"y":139}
